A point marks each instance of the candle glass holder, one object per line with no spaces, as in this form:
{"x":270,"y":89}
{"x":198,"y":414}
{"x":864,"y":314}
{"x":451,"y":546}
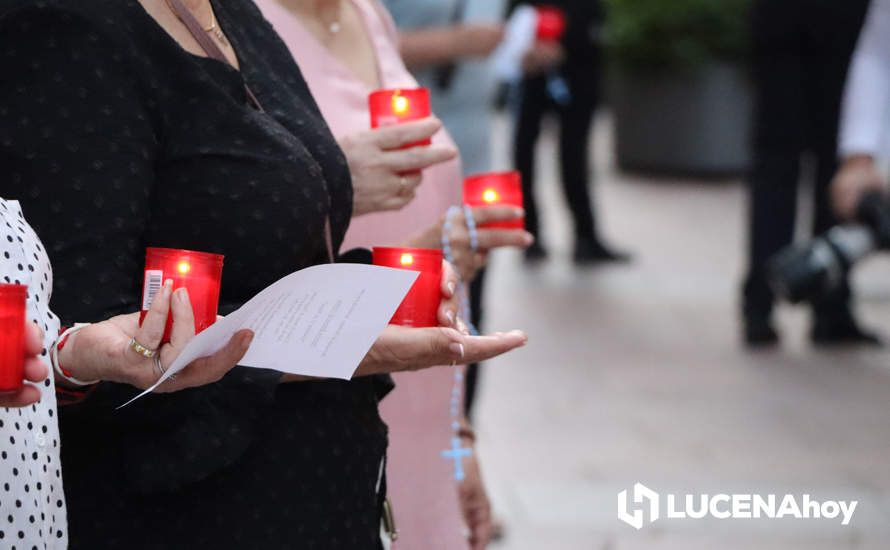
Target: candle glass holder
{"x":198,"y":272}
{"x":12,"y":337}
{"x":421,"y":305}
{"x":551,"y":24}
{"x":495,"y":188}
{"x":395,"y":106}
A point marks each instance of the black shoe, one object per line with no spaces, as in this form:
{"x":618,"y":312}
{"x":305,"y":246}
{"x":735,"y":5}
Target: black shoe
{"x":841,"y":330}
{"x":592,"y":252}
{"x":535,"y":253}
{"x":759,"y":332}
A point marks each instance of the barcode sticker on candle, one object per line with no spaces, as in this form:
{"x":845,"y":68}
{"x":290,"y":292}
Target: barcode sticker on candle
{"x":154,"y":278}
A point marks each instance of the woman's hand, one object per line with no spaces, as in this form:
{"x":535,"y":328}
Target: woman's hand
{"x":102,"y":351}
{"x":384,"y":176}
{"x":400,"y":349}
{"x":541,"y":57}
{"x":856,"y":177}
{"x":468,"y":261}
{"x":474,"y":502}
{"x":35,"y":370}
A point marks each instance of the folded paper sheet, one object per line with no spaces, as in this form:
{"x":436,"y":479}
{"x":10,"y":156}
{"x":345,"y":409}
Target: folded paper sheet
{"x":320,"y":321}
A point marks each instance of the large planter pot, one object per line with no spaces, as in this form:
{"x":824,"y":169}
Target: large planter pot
{"x":694,"y":122}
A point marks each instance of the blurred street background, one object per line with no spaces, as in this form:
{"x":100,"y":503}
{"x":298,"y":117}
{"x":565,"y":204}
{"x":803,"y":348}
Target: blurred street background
{"x":646,"y":380}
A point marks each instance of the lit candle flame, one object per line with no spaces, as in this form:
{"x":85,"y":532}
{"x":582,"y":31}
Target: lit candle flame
{"x":400,"y":104}
{"x":407,"y":259}
{"x":490,"y":196}
{"x":183,"y":267}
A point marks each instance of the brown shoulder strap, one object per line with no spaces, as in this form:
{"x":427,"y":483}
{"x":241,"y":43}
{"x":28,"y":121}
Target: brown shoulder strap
{"x":207,"y":44}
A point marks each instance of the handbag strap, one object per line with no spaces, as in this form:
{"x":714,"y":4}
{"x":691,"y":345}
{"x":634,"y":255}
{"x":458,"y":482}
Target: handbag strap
{"x":207,"y":44}
{"x":213,"y":50}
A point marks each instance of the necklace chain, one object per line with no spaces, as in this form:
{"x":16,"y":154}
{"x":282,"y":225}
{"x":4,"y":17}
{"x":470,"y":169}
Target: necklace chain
{"x":334,"y":26}
{"x":212,"y":29}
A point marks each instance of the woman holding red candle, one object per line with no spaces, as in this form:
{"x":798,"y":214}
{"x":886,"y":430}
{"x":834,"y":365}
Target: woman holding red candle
{"x":29,"y":438}
{"x":347,"y":51}
{"x":165,"y":134}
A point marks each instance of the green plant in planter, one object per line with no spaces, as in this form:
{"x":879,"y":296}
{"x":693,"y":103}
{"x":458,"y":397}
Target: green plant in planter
{"x":647,"y":34}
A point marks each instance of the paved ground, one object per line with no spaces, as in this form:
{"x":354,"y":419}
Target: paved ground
{"x":635,"y":374}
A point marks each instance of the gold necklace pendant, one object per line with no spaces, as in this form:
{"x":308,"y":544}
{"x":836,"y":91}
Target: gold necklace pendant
{"x":221,"y":37}
{"x":217,"y":32}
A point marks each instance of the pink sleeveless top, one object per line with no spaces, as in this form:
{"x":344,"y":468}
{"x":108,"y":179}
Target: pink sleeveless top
{"x":343,"y":100}
{"x":420,"y":482}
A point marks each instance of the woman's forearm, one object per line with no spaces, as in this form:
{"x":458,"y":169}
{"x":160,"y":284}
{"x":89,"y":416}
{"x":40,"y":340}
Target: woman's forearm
{"x":422,"y":48}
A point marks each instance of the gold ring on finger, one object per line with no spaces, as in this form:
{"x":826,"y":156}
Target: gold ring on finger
{"x":142,"y":350}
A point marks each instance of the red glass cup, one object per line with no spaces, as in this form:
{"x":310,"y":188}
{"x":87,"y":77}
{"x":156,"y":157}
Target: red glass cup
{"x":198,"y":272}
{"x":12,"y":337}
{"x":389,"y":107}
{"x":421,"y":304}
{"x":495,"y":188}
{"x":551,"y":23}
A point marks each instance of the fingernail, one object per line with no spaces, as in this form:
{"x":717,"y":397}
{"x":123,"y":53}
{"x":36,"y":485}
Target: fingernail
{"x":182,"y":294}
{"x":529,"y":238}
{"x":521,"y":334}
{"x":248,"y":338}
{"x":451,"y":287}
{"x":519,"y":212}
{"x":450,"y":315}
{"x":168,"y":287}
{"x":458,"y":349}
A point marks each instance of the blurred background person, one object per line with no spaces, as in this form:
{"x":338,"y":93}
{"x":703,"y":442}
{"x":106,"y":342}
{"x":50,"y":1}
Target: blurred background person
{"x":577,"y":61}
{"x":864,"y":121}
{"x":801,"y":52}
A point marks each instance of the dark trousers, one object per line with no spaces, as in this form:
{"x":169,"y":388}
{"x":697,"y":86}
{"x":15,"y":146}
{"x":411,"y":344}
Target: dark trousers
{"x":801,"y":53}
{"x":574,"y":123}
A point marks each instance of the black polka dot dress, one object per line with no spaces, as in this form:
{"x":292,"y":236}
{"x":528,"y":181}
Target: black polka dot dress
{"x":32,"y":505}
{"x":115,"y":138}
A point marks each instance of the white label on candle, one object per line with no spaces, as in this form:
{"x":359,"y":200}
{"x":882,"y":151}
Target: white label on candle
{"x":320,"y":321}
{"x":154,"y":278}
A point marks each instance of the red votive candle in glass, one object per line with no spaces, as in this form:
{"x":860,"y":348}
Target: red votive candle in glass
{"x":12,"y":337}
{"x":551,"y":23}
{"x":389,"y":107}
{"x":421,"y":304}
{"x":495,"y":188}
{"x":198,"y":272}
